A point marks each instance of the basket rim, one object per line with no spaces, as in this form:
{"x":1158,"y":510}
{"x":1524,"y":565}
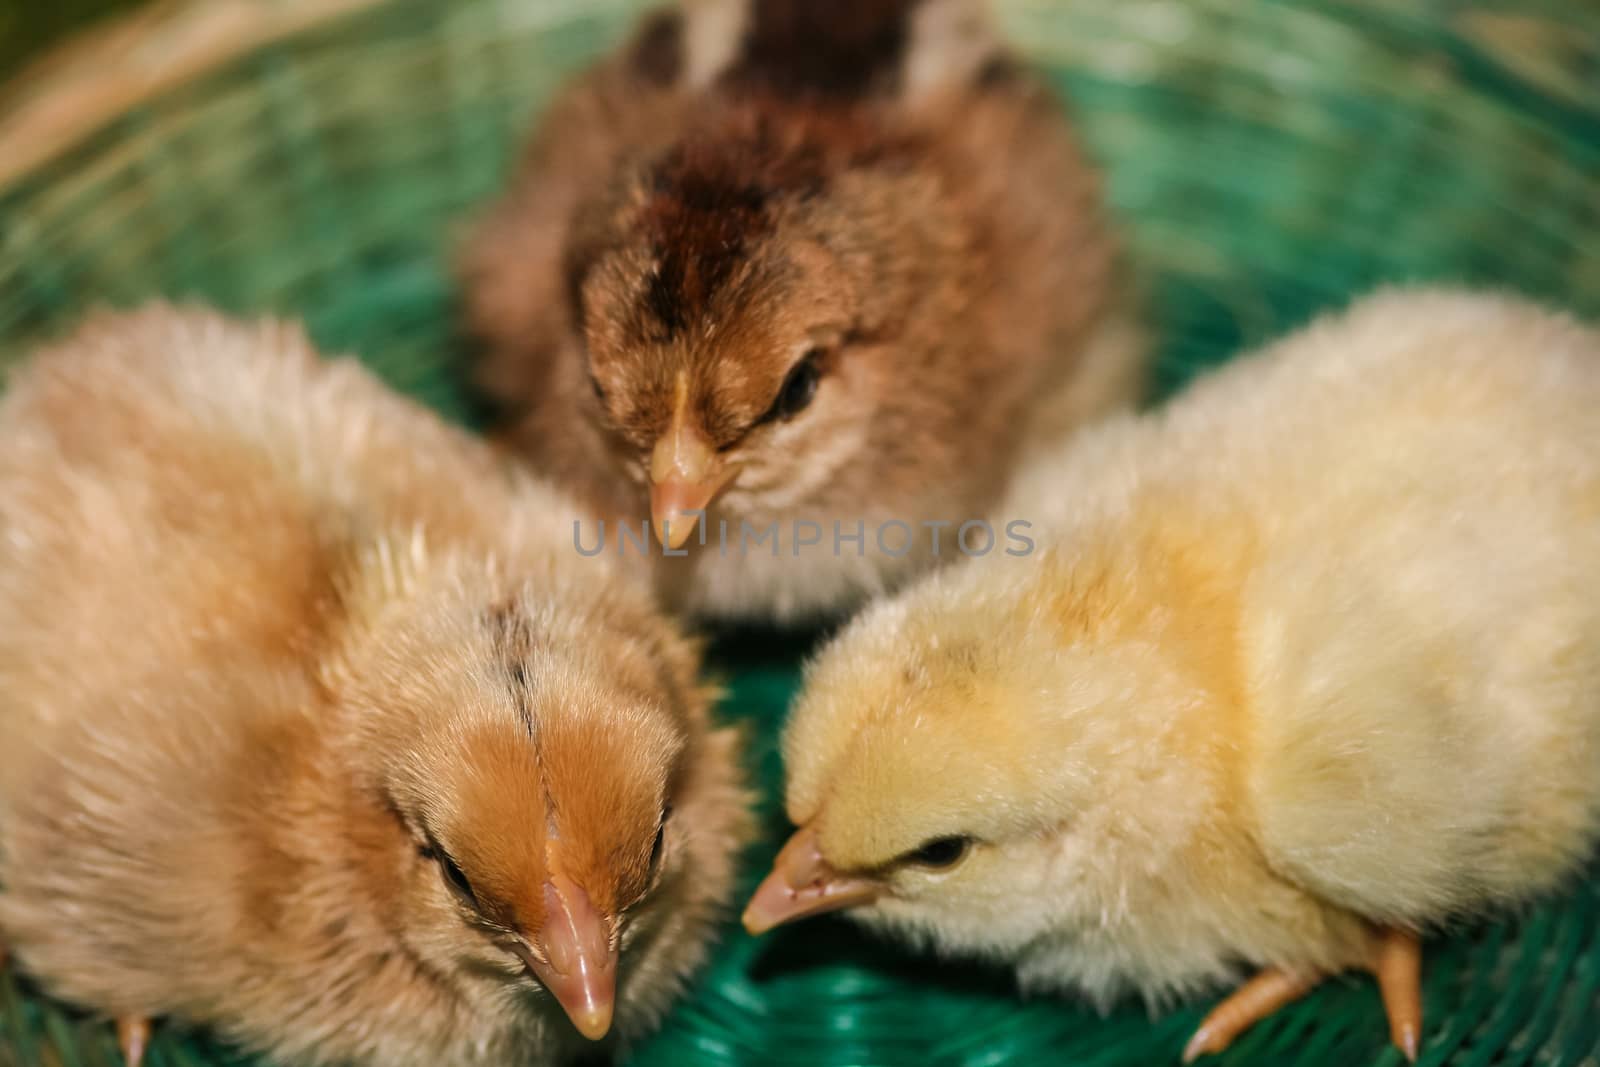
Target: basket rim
{"x":85,"y":82}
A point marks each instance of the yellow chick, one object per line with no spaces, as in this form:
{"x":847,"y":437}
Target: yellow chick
{"x":318,"y":731}
{"x":1298,"y":668}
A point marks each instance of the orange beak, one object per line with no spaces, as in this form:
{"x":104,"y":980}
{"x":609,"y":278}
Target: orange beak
{"x":686,"y":474}
{"x":579,"y":965}
{"x":803,"y":884}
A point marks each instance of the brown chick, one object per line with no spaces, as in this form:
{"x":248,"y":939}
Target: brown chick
{"x":318,"y":732}
{"x":784,"y":274}
{"x":1301,"y":668}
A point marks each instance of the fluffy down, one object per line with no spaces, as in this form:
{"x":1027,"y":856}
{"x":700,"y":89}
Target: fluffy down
{"x":1303,"y":665}
{"x":789,"y":262}
{"x":318,"y":731}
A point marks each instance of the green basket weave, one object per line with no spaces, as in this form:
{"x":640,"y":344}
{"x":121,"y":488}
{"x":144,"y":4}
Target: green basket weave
{"x":1268,"y":158}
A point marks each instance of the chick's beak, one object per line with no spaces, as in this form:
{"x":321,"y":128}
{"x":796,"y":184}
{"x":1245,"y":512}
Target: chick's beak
{"x":686,"y":474}
{"x":579,"y":967}
{"x":803,"y":884}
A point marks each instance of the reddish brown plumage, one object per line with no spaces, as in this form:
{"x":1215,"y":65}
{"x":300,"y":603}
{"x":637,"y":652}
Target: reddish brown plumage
{"x":873,"y":186}
{"x":814,"y":51}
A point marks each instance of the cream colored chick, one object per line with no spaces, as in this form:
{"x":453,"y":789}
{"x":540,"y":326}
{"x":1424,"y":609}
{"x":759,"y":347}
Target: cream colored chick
{"x":1302,"y":667}
{"x":318,"y":731}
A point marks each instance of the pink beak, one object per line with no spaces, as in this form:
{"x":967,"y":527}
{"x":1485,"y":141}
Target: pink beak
{"x":686,"y":474}
{"x":579,"y":964}
{"x":803,"y":884}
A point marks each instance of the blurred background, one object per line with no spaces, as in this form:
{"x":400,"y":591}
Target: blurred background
{"x":26,"y":28}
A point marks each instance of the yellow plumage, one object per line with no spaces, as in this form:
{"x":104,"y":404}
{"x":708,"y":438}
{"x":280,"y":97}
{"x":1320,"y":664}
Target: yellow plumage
{"x":1306,"y":662}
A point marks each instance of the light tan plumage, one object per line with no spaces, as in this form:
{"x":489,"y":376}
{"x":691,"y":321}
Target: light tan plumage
{"x":1304,"y":665}
{"x":786,"y":261}
{"x":318,"y":731}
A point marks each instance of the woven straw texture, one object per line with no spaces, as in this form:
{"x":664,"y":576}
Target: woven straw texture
{"x":1268,"y":158}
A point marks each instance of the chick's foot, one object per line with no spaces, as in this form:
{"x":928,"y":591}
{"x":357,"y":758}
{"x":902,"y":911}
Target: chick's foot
{"x":133,"y":1035}
{"x":1249,"y":1004}
{"x":1394,"y":957}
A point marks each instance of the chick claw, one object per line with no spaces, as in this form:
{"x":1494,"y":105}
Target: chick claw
{"x":133,"y":1035}
{"x":1248,"y":1005}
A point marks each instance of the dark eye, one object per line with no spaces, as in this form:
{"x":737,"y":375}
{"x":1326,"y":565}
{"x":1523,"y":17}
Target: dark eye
{"x":599,"y":392}
{"x":799,"y":388}
{"x":660,"y":846}
{"x":940,"y":852}
{"x":454,"y":877}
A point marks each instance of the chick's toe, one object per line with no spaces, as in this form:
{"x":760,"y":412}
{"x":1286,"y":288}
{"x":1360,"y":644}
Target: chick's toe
{"x":1246,"y":1006}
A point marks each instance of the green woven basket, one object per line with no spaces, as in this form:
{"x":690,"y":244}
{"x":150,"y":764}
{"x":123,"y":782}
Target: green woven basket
{"x":1268,"y":158}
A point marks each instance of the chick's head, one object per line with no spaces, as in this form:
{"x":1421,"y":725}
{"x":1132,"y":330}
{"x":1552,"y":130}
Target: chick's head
{"x":529,"y":751}
{"x":731,"y":295}
{"x":974,"y":771}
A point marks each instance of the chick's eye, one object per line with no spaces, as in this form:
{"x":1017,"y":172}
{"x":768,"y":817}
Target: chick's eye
{"x":658,"y":849}
{"x":454,"y":877}
{"x":940,"y":852}
{"x":799,"y":388}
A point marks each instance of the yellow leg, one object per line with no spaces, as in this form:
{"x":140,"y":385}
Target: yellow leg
{"x":1248,"y":1005}
{"x":133,"y":1034}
